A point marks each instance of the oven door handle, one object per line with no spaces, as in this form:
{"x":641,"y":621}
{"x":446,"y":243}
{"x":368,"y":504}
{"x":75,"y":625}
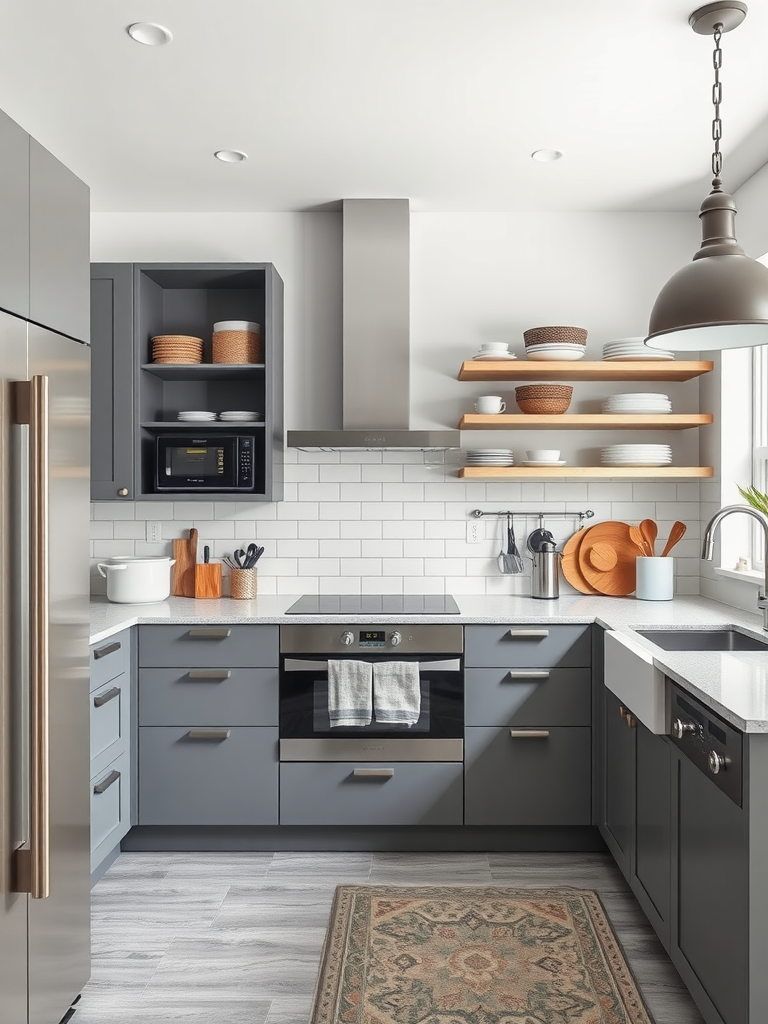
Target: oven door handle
{"x":302,"y":665}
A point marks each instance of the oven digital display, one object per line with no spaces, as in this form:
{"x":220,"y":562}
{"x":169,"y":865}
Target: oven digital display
{"x":372,"y":638}
{"x":197,"y":461}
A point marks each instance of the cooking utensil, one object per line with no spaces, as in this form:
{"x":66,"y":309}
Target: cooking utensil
{"x":570,"y":563}
{"x":132,"y":580}
{"x":675,"y":534}
{"x":537,"y":538}
{"x":637,"y":538}
{"x":649,"y":530}
{"x":619,"y":580}
{"x":510,"y":561}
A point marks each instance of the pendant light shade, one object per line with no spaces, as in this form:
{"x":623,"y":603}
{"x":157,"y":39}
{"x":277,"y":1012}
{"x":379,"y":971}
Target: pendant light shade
{"x":720,"y":300}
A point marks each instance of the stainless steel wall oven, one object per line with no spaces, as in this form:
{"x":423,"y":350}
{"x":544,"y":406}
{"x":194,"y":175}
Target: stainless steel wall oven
{"x":306,"y":732}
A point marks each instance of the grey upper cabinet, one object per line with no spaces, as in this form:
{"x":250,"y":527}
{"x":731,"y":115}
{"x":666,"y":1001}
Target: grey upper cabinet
{"x":112,"y":374}
{"x":14,"y":217}
{"x":59,"y":245}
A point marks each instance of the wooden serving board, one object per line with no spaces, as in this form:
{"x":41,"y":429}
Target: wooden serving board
{"x":185,"y":553}
{"x":619,"y":580}
{"x":570,"y":563}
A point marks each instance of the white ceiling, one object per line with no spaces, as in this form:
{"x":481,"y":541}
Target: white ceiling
{"x":440,"y":101}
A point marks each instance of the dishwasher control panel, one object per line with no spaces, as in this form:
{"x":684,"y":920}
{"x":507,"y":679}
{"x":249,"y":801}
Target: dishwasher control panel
{"x":712,"y":744}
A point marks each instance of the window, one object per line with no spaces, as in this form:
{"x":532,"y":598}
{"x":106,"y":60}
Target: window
{"x":759,"y":441}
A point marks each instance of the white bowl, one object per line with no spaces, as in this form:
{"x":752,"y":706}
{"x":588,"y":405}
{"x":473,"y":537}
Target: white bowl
{"x":236,"y":325}
{"x":543,"y":455}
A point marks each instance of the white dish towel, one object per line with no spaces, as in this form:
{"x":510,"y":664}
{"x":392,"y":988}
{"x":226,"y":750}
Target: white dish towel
{"x":350,"y":689}
{"x":396,"y":692}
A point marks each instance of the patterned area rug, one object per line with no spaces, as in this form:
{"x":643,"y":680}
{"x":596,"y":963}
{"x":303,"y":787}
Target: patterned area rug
{"x":455,"y":955}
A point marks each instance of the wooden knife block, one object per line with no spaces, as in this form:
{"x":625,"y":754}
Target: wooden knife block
{"x":208,"y":580}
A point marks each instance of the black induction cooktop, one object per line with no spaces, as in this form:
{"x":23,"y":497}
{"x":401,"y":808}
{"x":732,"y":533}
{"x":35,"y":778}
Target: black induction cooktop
{"x":374,"y":604}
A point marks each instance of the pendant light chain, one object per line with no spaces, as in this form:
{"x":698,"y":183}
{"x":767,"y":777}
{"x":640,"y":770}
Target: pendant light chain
{"x":717,"y":98}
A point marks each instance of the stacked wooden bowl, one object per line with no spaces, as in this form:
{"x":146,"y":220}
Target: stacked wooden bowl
{"x":555,"y":336}
{"x":601,"y":560}
{"x":543,"y":399}
{"x":177,"y":348}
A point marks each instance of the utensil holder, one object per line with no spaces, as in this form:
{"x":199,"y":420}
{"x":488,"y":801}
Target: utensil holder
{"x":655,"y":578}
{"x":243,"y":584}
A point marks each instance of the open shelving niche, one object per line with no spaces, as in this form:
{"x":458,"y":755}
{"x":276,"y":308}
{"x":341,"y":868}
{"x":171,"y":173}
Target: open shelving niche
{"x":639,"y":370}
{"x":189,"y":299}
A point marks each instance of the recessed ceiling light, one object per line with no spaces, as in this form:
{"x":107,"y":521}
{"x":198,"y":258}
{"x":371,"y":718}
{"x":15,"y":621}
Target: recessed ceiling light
{"x":148,"y":34}
{"x":546,"y":156}
{"x":231,"y":156}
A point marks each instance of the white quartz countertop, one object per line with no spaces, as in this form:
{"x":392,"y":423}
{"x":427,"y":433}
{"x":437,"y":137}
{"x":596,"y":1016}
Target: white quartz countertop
{"x":733,"y":684}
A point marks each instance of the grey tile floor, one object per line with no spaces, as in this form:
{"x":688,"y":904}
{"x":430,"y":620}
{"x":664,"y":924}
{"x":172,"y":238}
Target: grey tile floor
{"x":217,"y":938}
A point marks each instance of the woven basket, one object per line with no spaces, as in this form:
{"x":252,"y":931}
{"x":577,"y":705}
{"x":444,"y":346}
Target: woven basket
{"x":543,"y":399}
{"x":243,"y":584}
{"x":237,"y":347}
{"x":177,"y":348}
{"x":548,"y":335}
{"x":544,"y":391}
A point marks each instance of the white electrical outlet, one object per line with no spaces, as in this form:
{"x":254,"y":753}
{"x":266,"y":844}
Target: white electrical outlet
{"x":154,"y":532}
{"x":474,"y":535}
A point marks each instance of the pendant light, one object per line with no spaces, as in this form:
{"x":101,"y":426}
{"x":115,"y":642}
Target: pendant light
{"x":720,"y":300}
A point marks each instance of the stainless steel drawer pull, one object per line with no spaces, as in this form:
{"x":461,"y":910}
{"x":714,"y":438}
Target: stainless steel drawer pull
{"x":209,"y":673}
{"x":373,"y":773}
{"x":529,"y":734}
{"x":105,"y":698}
{"x":102,"y":652}
{"x":103,"y":786}
{"x":527,"y":673}
{"x":209,"y":734}
{"x":209,"y":634}
{"x":527,"y":634}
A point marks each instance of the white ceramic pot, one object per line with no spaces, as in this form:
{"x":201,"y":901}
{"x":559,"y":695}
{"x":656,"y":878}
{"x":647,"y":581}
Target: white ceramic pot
{"x":137,"y":580}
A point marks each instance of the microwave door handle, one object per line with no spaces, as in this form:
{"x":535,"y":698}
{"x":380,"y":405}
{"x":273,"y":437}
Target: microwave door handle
{"x":301,"y":665}
{"x":167,"y":459}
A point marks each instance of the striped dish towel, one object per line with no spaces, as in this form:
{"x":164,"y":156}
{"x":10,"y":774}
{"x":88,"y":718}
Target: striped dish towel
{"x":396,"y":692}
{"x":350,"y":685}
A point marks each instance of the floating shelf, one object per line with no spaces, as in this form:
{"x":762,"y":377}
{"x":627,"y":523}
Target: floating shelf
{"x":200,"y":425}
{"x":529,"y":369}
{"x":585,"y":421}
{"x":205,"y":371}
{"x":585,"y":472}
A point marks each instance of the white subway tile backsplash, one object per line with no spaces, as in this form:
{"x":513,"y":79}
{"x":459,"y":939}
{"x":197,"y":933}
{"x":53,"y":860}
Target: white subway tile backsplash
{"x":688,"y":490}
{"x":319,"y":567}
{"x":190,"y":510}
{"x":316,"y":528}
{"x":110,"y":548}
{"x":325,"y":491}
{"x":360,"y":458}
{"x":278,"y":529}
{"x":423,"y":585}
{"x":339,"y":585}
{"x":217,"y":529}
{"x":125,"y":529}
{"x":361,"y":492}
{"x":298,"y":548}
{"x":319,"y":458}
{"x":153,"y":509}
{"x":338,"y":510}
{"x":297,"y":510}
{"x":296,"y":473}
{"x":385,"y":548}
{"x":382,"y":510}
{"x":347,"y":548}
{"x":633,"y":512}
{"x":402,"y":528}
{"x":423,"y":473}
{"x":361,"y":528}
{"x":382,"y":474}
{"x":444,"y":566}
{"x":659,"y":490}
{"x":291,"y":584}
{"x":336,"y":473}
{"x":100,"y":530}
{"x":433,"y":547}
{"x":113,"y":510}
{"x":403,"y":492}
{"x":423,"y":510}
{"x":446,"y":528}
{"x":360,"y":566}
{"x":381,"y":585}
{"x":572,"y":490}
{"x":402,"y":566}
{"x":686,"y":511}
{"x":599,"y":490}
{"x":687,"y":585}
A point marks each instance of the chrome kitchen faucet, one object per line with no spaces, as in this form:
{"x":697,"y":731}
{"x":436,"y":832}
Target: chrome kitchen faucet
{"x":709,"y":545}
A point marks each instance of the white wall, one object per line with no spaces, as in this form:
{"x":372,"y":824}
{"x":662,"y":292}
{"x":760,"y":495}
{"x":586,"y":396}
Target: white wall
{"x":395,"y":522}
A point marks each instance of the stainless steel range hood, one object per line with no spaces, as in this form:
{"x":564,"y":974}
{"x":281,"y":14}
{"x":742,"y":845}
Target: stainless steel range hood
{"x":375,"y":337}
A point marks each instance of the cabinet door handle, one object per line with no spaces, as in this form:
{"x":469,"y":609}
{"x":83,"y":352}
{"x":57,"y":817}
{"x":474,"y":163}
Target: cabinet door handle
{"x":209,"y":634}
{"x":208,"y":673}
{"x":102,"y":652}
{"x":527,"y":634}
{"x":529,"y":734}
{"x":103,"y":786}
{"x":105,"y":698}
{"x":527,"y":673}
{"x":373,"y":773}
{"x":209,"y":734}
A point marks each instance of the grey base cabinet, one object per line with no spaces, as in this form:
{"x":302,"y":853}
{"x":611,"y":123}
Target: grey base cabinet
{"x":423,"y":793}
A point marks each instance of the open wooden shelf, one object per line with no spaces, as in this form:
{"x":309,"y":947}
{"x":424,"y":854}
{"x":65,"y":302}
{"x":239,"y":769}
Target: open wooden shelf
{"x":205,"y":371}
{"x":585,"y":472}
{"x":585,"y":421}
{"x":529,"y":369}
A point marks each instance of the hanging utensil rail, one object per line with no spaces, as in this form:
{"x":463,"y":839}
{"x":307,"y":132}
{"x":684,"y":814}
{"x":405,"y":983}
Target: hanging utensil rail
{"x":478,"y":513}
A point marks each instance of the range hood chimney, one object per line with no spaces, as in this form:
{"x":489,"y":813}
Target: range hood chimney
{"x":375,"y":337}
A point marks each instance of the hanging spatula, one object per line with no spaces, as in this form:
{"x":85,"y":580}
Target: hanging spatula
{"x":510,"y":561}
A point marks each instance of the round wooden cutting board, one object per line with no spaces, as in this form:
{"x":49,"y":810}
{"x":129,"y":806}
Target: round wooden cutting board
{"x":619,"y":580}
{"x":570,"y":563}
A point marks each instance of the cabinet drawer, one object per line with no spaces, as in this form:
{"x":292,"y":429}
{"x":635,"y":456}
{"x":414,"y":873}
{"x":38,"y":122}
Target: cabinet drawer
{"x":212,"y":776}
{"x":530,"y":779}
{"x":208,"y":696}
{"x":110,"y":807}
{"x":530,"y":646}
{"x":208,"y":646}
{"x":348,"y":794}
{"x":109,"y":658}
{"x":501,"y":696}
{"x":110,"y":720}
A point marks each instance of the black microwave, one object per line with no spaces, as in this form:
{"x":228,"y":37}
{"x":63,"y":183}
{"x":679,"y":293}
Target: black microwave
{"x":184,"y":462}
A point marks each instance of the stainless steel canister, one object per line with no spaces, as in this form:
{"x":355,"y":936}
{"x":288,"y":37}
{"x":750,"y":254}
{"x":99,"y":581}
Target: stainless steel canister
{"x":545,"y":580}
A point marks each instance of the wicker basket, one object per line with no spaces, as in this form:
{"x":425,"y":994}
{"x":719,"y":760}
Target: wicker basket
{"x":550,"y":335}
{"x":243,"y":584}
{"x":543,"y":399}
{"x":177,"y":348}
{"x":238,"y":346}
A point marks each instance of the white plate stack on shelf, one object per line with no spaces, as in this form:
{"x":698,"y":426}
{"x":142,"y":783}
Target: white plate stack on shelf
{"x":240,"y":416}
{"x":494,"y":350}
{"x":636,"y":455}
{"x":632,"y":349}
{"x":195,"y":416}
{"x":489,"y":457}
{"x":639,"y":402}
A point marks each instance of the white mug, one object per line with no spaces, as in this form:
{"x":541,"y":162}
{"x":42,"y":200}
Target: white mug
{"x":490,"y":404}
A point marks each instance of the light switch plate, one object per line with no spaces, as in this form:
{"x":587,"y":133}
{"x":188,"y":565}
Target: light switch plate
{"x":474,"y":532}
{"x":154,"y":532}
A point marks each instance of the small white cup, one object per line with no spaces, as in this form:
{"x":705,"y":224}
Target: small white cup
{"x":490,"y":404}
{"x":655,"y":578}
{"x":494,"y":346}
{"x":543,"y":455}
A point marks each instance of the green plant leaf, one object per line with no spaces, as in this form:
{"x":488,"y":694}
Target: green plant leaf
{"x":757,"y":499}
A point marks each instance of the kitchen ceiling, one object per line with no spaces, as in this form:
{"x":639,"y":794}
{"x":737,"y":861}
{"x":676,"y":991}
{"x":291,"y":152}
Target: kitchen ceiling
{"x":441,"y":101}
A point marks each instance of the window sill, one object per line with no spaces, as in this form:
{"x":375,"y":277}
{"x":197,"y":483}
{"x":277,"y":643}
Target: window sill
{"x":750,"y":576}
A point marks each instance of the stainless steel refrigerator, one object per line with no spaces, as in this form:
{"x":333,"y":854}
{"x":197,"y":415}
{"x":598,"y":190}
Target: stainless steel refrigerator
{"x":44,"y":712}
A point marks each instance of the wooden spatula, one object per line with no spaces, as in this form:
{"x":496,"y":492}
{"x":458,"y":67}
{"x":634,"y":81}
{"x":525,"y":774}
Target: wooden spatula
{"x":675,"y":534}
{"x":649,"y":530}
{"x":637,"y":538}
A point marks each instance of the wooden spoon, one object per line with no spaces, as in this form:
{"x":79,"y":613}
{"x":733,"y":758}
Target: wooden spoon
{"x":649,"y":530}
{"x":677,"y":531}
{"x":637,"y":538}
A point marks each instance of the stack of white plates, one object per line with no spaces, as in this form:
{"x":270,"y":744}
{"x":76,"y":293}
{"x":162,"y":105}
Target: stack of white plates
{"x":195,"y":416}
{"x":489,"y":457}
{"x":496,"y":354}
{"x":636,"y":455}
{"x":632,"y":348}
{"x":555,"y":350}
{"x":235,"y":416}
{"x":640,"y":402}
